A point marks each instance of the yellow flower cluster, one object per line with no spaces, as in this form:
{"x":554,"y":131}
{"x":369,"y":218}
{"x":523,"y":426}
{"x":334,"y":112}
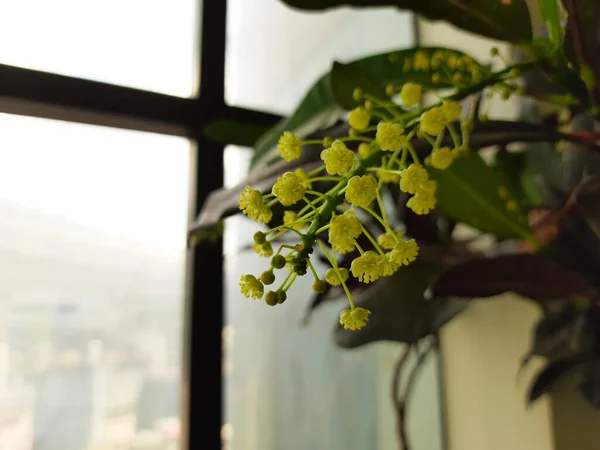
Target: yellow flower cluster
{"x":251,"y":203}
{"x":390,"y":136}
{"x":289,"y":189}
{"x":289,"y":146}
{"x":343,"y":231}
{"x":338,"y":158}
{"x":358,"y":164}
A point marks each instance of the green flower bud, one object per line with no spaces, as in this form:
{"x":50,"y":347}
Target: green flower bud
{"x":281,"y":297}
{"x":358,"y":94}
{"x":260,"y":237}
{"x":267,"y":277}
{"x":278,"y":262}
{"x":319,"y":286}
{"x":271,"y":298}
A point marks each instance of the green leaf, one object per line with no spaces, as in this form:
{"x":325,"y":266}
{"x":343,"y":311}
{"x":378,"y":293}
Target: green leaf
{"x":497,"y":19}
{"x":345,"y":78}
{"x":325,"y":100}
{"x":512,"y":168}
{"x":551,"y":16}
{"x":581,"y":43}
{"x":317,"y":110}
{"x":233,"y":132}
{"x":471,"y":192}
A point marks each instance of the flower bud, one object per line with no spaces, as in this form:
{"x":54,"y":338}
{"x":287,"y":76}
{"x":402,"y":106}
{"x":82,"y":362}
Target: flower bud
{"x":278,"y":262}
{"x":267,"y":277}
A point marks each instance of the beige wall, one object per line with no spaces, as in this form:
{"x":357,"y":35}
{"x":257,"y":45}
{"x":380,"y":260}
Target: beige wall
{"x":482,"y":348}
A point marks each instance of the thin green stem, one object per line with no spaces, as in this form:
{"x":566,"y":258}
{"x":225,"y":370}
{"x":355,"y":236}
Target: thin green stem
{"x":309,"y":203}
{"x":372,"y":239}
{"x":316,"y":171}
{"x":325,"y":179}
{"x":356,"y":138}
{"x":380,"y":201}
{"x":333,"y":262}
{"x":359,"y":248}
{"x":454,"y":135}
{"x":312,"y":269}
{"x":379,"y":219}
{"x":413,"y":154}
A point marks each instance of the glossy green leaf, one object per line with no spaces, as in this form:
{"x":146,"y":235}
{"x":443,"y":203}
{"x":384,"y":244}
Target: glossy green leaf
{"x":345,"y":78}
{"x":512,"y":168}
{"x":234,"y":132}
{"x":473,"y":193}
{"x":332,"y":93}
{"x":497,"y":19}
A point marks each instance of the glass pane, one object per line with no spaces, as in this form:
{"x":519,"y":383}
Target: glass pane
{"x":92,"y":257}
{"x":145,"y":44}
{"x":274,"y":53}
{"x":288,"y":386}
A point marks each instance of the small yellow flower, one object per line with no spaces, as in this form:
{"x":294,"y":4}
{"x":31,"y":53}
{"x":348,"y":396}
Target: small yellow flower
{"x":304,"y":178}
{"x":364,"y":150}
{"x":289,"y":189}
{"x":265,"y":216}
{"x":354,"y":319}
{"x":359,"y":118}
{"x":451,"y":110}
{"x":343,"y":231}
{"x":451,"y":61}
{"x":411,"y":94}
{"x":433,"y":121}
{"x":361,"y":190}
{"x":336,"y":278}
{"x":265,"y":249}
{"x":367,"y":267}
{"x":289,"y":146}
{"x":389,"y":239}
{"x":404,"y":252}
{"x":251,"y":204}
{"x":413,"y":178}
{"x":251,"y":287}
{"x":388,"y":177}
{"x":390,"y":136}
{"x":290,"y":217}
{"x":442,"y":158}
{"x":424,"y":199}
{"x":390,"y":267}
{"x":338,"y":159}
{"x":421,"y":60}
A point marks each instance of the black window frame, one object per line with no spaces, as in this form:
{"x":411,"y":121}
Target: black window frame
{"x":52,"y":96}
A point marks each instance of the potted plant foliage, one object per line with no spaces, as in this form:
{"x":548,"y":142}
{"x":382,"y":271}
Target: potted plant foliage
{"x":386,"y":157}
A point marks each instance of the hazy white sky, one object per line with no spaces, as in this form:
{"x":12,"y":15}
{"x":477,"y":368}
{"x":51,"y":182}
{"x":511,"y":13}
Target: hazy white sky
{"x":124,"y":182}
{"x":127,"y":183}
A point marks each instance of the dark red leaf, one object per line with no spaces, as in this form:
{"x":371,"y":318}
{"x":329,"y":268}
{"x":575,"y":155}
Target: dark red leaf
{"x":532,"y":276}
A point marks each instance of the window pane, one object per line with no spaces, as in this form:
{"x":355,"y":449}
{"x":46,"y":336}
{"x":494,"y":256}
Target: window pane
{"x":287,"y":386}
{"x":92,"y":253}
{"x":145,"y":44}
{"x":274,"y":53}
